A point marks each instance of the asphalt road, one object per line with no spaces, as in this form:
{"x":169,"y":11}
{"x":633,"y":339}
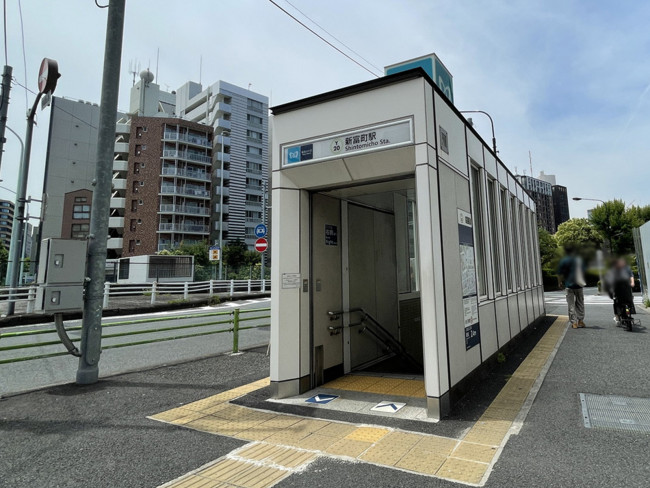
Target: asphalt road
{"x":28,"y":375}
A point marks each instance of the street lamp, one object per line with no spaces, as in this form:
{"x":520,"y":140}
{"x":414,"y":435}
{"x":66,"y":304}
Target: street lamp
{"x":223,"y":134}
{"x":494,"y":140}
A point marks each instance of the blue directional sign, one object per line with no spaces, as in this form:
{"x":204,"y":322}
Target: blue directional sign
{"x":321,"y":399}
{"x":260,"y":230}
{"x":388,"y":407}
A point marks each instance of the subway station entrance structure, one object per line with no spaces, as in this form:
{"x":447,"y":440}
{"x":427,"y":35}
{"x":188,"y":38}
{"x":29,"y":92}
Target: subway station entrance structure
{"x":401,"y":243}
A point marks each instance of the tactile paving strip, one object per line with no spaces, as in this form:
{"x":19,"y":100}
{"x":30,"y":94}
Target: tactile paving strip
{"x":615,"y":412}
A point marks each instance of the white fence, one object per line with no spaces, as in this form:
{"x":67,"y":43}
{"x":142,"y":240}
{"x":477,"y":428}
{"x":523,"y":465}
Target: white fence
{"x":154,"y":291}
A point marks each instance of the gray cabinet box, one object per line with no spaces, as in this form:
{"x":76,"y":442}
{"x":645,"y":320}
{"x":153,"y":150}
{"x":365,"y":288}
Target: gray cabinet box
{"x":59,"y":298}
{"x":62,"y":261}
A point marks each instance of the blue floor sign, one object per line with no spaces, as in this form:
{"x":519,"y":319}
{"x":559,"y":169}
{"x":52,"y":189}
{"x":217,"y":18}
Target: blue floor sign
{"x":321,"y":399}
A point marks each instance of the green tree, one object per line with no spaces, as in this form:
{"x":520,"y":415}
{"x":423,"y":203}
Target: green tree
{"x":548,"y":249}
{"x":579,"y":234}
{"x":615,"y":223}
{"x":234,"y":253}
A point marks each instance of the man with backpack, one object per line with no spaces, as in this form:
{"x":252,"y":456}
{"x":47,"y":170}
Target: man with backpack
{"x":571,"y":271}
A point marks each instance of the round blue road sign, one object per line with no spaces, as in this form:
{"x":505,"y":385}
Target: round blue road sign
{"x":260,"y":230}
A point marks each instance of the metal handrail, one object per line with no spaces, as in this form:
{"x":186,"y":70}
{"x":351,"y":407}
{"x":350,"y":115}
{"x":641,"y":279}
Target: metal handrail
{"x":335,"y":315}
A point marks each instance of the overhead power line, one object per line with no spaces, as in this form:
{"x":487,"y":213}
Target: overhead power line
{"x":326,"y":41}
{"x":22,"y":35}
{"x":4,"y":5}
{"x":333,"y":36}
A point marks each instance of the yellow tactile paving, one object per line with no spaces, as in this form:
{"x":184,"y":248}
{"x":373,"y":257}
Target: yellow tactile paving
{"x":462,"y":470}
{"x":348,"y":447}
{"x":283,"y":443}
{"x":379,"y":385}
{"x":474,"y":452}
{"x":367,"y":434}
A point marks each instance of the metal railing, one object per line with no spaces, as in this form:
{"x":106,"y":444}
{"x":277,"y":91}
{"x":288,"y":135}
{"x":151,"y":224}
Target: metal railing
{"x":184,"y":209}
{"x":16,"y":341}
{"x":153,"y":290}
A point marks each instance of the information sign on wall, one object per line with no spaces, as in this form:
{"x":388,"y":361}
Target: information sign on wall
{"x":468,"y":279}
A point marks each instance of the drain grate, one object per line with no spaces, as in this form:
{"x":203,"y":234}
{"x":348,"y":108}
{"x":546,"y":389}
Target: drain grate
{"x":615,"y":412}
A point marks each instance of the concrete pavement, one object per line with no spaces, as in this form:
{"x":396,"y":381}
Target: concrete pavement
{"x":49,"y":435}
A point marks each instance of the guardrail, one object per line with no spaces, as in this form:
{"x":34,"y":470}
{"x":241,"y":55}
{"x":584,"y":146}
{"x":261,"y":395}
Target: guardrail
{"x":153,"y":290}
{"x":15,"y":341}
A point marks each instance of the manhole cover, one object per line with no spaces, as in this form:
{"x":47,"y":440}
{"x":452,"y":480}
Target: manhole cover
{"x":615,"y":412}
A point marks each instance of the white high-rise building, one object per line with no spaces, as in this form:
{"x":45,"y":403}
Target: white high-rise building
{"x":240,"y":152}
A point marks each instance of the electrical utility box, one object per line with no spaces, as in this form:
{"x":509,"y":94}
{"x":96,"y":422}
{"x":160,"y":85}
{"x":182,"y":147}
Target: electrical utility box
{"x":61,"y":275}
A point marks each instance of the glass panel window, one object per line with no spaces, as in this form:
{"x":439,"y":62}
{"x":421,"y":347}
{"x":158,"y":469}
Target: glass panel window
{"x":506,"y":238}
{"x":516,"y":281}
{"x":80,"y":231}
{"x":479,"y":240}
{"x":524,"y":246}
{"x":81,"y":212}
{"x":494,"y":228}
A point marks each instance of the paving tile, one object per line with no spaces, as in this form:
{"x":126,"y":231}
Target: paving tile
{"x":384,"y":454}
{"x":317,"y":442}
{"x":462,"y":470}
{"x":173,"y":414}
{"x":436,"y":444}
{"x":401,"y":440}
{"x":187,"y":419}
{"x":282,"y":421}
{"x":421,"y":461}
{"x":348,"y":447}
{"x":474,"y":452}
{"x":282,"y":456}
{"x":207,"y":424}
{"x":337,"y":430}
{"x":367,"y":434}
{"x":196,"y":482}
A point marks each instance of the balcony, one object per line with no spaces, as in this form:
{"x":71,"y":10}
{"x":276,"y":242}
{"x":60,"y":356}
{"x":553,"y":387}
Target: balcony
{"x":119,"y":165}
{"x":187,"y":155}
{"x":183,"y":228}
{"x":218,"y":206}
{"x":218,"y":141}
{"x":121,"y":147}
{"x":116,"y":222}
{"x":186,"y":173}
{"x":177,"y":190}
{"x":217,"y":225}
{"x":223,"y":124}
{"x":121,"y":128}
{"x":118,"y":202}
{"x":222,"y":172}
{"x":119,"y":183}
{"x":218,"y":190}
{"x":253,"y":206}
{"x":115,"y":243}
{"x":223,"y":107}
{"x":184,"y":209}
{"x":254,"y":189}
{"x":188,"y":138}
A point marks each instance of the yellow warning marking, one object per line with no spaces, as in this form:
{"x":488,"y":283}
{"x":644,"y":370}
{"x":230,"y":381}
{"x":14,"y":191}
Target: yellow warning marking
{"x":474,"y":452}
{"x":367,"y":434}
{"x":462,"y":470}
{"x":284,"y":443}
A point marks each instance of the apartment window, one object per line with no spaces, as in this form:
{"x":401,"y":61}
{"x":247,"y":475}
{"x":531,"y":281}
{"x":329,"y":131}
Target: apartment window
{"x":133,"y":225}
{"x":255,"y":168}
{"x":506,"y":238}
{"x":252,"y":134}
{"x":255,"y":151}
{"x":80,"y":199}
{"x":254,"y":119}
{"x":80,"y":231}
{"x":136,"y":168}
{"x":494,"y":228}
{"x":140,"y":202}
{"x":135,"y":186}
{"x":255,"y":105}
{"x":134,"y":205}
{"x":81,"y":212}
{"x":132,"y":245}
{"x":479,"y":235}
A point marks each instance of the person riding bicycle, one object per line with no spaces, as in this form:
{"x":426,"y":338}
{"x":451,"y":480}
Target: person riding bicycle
{"x":619,"y":283}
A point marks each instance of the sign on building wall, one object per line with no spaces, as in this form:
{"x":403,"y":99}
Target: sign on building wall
{"x":432,"y":65}
{"x":359,"y":141}
{"x":468,"y":280}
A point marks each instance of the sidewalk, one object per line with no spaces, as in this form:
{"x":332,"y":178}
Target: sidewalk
{"x":99,"y":435}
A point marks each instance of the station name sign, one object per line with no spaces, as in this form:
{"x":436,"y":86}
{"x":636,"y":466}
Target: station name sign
{"x":367,"y":139}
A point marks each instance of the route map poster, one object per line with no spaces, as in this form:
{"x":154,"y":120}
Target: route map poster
{"x":468,"y":280}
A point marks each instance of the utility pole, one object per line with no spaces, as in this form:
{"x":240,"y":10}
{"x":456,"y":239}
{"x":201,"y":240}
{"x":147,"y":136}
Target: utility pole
{"x":4,"y":105}
{"x":91,"y":329}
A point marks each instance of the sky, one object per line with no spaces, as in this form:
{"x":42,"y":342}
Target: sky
{"x":567,"y":81}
